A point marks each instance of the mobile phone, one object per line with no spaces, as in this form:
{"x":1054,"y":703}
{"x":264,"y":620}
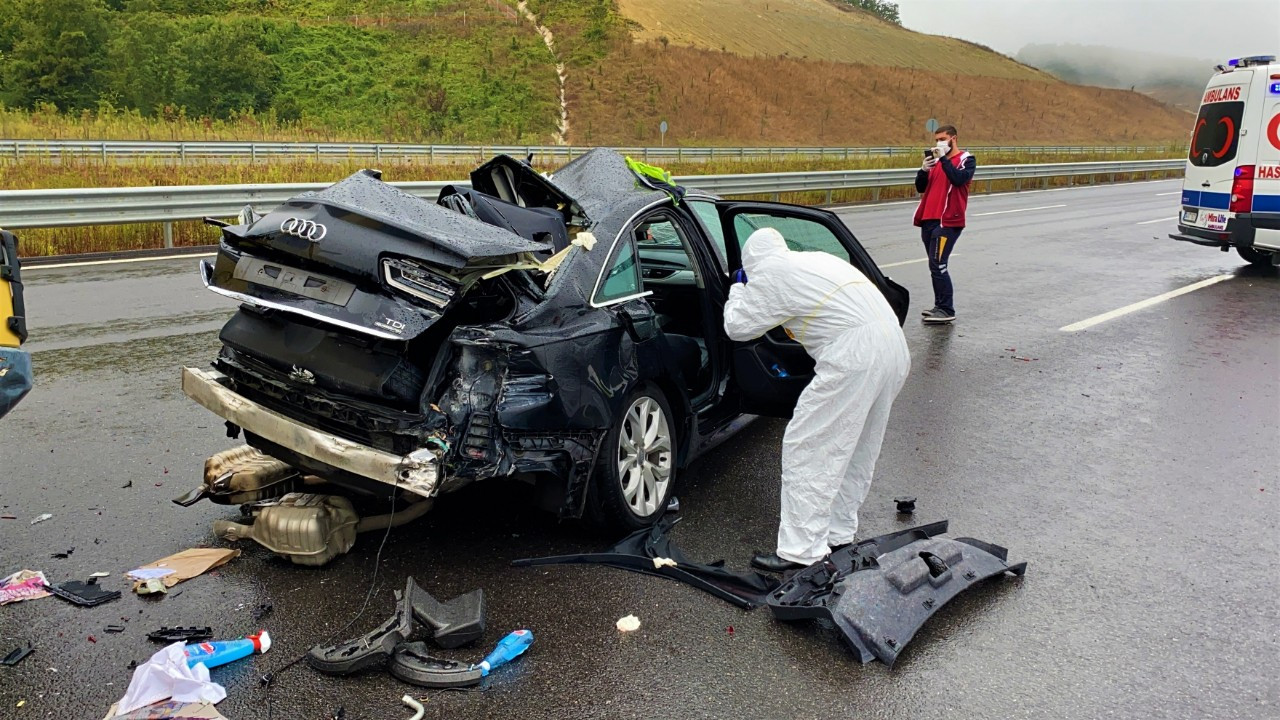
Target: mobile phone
{"x":928,"y":153}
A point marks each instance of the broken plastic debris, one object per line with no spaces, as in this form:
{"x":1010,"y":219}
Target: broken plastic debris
{"x":23,"y":585}
{"x":661,"y":562}
{"x":166,"y":677}
{"x":41,"y":518}
{"x":630,"y":623}
{"x":180,"y":634}
{"x":15,"y":657}
{"x":83,"y":593}
{"x":63,"y":555}
{"x":184,"y":565}
{"x":584,"y":240}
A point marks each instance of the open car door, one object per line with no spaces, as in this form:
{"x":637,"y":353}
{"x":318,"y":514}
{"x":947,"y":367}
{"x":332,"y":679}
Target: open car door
{"x":770,"y":372}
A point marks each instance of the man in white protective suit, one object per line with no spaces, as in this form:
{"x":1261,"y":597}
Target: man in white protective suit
{"x":830,"y":446}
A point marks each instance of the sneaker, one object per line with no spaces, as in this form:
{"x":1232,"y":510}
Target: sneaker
{"x":929,"y":312}
{"x":939,"y":317}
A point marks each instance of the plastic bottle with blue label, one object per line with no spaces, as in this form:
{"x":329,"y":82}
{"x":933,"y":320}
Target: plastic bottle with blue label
{"x":220,"y":652}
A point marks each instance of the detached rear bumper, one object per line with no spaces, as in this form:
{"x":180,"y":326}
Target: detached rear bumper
{"x":418,"y":472}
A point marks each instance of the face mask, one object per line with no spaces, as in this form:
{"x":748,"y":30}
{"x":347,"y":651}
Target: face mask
{"x":944,"y":145}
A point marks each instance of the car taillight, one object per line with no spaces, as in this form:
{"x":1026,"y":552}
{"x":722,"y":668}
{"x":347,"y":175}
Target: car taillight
{"x":1242,"y":190}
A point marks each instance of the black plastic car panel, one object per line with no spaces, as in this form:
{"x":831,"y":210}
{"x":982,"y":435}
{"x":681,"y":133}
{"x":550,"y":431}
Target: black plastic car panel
{"x":879,"y":592}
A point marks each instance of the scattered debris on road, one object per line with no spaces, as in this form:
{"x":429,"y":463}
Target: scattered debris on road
{"x":879,"y":592}
{"x":166,"y":676}
{"x":630,"y":623}
{"x":85,"y":593}
{"x":906,"y":504}
{"x":452,"y":624}
{"x":169,"y":710}
{"x":41,"y":518}
{"x":23,"y":585}
{"x":180,"y":634}
{"x":17,"y":655}
{"x":63,"y":555}
{"x":637,"y":552}
{"x":166,"y":572}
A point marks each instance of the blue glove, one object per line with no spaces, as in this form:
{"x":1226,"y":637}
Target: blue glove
{"x":740,"y":276}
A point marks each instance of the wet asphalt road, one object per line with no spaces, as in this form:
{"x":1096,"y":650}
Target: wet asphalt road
{"x":1133,"y":464}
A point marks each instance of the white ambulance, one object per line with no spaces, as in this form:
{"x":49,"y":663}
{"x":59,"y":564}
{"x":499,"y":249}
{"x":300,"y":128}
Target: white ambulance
{"x":1231,"y":191}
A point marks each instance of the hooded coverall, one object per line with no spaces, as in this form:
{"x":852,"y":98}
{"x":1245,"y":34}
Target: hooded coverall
{"x":830,"y":447}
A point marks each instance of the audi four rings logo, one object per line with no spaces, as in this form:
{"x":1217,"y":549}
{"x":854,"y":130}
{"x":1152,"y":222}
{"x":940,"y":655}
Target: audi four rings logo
{"x":305,"y":229}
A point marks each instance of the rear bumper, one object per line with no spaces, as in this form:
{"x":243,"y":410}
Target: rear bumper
{"x":418,"y":472}
{"x":1241,"y":231}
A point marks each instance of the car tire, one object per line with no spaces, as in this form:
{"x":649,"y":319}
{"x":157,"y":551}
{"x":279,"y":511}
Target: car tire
{"x":635,"y":472}
{"x":1255,"y":257}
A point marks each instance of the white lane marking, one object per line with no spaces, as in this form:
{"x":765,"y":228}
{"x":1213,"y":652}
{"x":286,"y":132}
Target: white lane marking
{"x":1005,"y":212}
{"x":908,"y":262}
{"x":26,"y":270}
{"x":1175,"y":192}
{"x":1098,"y":319}
{"x":1168,"y":219}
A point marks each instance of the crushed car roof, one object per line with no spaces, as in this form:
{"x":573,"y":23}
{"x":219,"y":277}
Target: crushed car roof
{"x":369,"y":197}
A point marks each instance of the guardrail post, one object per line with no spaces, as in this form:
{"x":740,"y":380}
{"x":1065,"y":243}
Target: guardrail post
{"x":679,"y":154}
{"x":1113,"y":177}
{"x":168,"y":234}
{"x":1044,"y":183}
{"x":104,"y":152}
{"x":431,"y":154}
{"x":182,"y":153}
{"x":253,"y":153}
{"x":1017,"y":185}
{"x":711,"y":155}
{"x":875,"y":194}
{"x":317,"y":152}
{"x":828,"y":197}
{"x":377,"y":152}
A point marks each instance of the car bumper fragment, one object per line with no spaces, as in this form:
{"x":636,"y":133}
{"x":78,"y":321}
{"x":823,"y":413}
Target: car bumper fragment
{"x":418,"y":472}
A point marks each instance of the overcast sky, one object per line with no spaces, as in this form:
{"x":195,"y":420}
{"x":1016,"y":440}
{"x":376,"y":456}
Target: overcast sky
{"x":1210,"y":29}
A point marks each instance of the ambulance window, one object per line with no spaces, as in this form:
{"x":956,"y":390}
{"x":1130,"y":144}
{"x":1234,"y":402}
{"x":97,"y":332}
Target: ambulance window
{"x":1216,"y":134}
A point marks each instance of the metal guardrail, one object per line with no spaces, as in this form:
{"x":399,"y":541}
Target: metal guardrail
{"x":255,"y":151}
{"x":79,"y":207}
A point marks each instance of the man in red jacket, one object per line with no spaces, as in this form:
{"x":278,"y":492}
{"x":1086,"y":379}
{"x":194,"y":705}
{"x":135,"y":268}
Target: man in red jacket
{"x":943,"y":184}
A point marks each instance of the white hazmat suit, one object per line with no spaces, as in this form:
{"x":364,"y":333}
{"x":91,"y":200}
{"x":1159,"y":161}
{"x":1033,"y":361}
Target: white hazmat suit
{"x":830,"y":446}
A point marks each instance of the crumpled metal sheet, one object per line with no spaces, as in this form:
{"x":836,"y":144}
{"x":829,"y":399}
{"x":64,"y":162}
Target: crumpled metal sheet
{"x":374,"y":199}
{"x":879,"y":592}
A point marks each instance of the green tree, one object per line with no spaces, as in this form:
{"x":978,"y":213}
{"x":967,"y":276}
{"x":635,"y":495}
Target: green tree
{"x":142,"y":67}
{"x":222,"y":69}
{"x":883,"y":9}
{"x":55,"y":53}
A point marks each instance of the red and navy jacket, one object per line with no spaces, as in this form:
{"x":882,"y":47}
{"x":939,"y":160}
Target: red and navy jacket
{"x":944,"y":190}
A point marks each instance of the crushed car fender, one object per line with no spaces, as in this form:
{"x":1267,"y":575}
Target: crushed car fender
{"x":879,"y":592}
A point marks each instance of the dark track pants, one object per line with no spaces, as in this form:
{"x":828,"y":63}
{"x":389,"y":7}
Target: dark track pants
{"x":938,"y":243}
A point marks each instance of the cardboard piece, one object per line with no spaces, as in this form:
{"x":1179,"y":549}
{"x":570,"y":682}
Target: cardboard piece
{"x":185,"y":565}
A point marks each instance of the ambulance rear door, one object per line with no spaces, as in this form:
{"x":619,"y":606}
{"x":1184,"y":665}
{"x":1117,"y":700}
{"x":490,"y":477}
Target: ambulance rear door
{"x":1215,"y":151}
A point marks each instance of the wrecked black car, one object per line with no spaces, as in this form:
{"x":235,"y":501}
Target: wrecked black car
{"x":561,"y":330}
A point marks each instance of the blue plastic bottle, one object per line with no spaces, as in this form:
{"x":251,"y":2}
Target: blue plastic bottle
{"x":509,"y":648}
{"x":220,"y":652}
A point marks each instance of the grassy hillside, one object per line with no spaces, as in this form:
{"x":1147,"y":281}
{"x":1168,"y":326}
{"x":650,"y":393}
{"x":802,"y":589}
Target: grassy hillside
{"x":721,"y":72}
{"x":442,"y":70}
{"x":810,"y":29}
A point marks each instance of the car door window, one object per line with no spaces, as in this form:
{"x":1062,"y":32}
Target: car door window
{"x":710,"y":218}
{"x":801,"y":234}
{"x":622,"y":276}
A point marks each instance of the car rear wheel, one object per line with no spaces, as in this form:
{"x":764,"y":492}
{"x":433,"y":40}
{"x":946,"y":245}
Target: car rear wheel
{"x":636,"y":470}
{"x":1255,"y":257}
